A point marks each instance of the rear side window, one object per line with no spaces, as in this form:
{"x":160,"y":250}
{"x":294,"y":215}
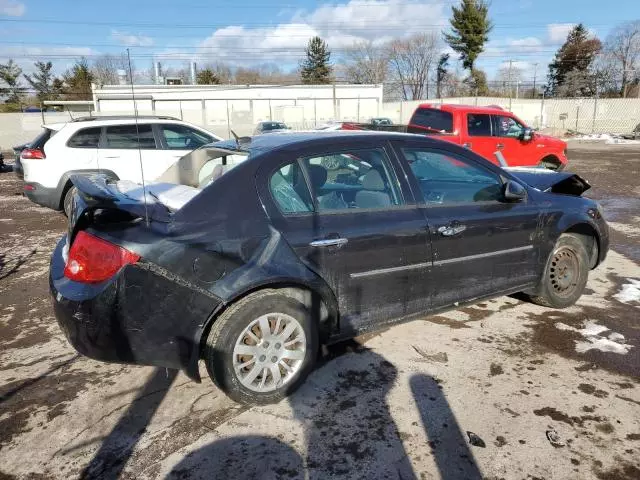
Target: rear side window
{"x":479,"y":125}
{"x":433,"y":119}
{"x":289,"y":190}
{"x":130,"y":137}
{"x":85,"y":138}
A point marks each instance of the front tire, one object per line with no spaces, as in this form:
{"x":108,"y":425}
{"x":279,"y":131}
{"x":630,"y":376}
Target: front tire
{"x":565,"y":275}
{"x":262,"y":348}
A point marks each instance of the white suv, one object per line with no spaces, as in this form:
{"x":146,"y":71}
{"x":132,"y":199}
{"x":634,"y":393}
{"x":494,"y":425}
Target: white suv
{"x":116,"y":146}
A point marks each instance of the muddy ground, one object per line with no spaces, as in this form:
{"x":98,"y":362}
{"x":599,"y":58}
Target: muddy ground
{"x":474,"y":393}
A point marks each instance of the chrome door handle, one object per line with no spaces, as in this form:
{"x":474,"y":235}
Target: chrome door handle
{"x":113,"y":156}
{"x":451,"y":230}
{"x":329,"y":242}
{"x":500,"y":146}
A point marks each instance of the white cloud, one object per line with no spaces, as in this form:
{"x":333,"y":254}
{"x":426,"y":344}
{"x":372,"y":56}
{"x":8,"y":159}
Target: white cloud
{"x":527,"y":42}
{"x":124,"y":38}
{"x":61,"y":57}
{"x":340,"y":25}
{"x":12,"y":8}
{"x":557,"y":32}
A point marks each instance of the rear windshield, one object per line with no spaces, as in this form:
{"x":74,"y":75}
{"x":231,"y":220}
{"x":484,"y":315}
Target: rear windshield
{"x":40,"y":140}
{"x":433,"y":119}
{"x":274,"y":126}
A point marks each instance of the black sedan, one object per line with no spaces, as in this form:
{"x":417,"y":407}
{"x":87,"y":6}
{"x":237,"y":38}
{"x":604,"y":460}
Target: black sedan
{"x":250,"y":266}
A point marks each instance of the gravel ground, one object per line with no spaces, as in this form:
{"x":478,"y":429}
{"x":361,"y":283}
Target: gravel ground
{"x":475,"y":393}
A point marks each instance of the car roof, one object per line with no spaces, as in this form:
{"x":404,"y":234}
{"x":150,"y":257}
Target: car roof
{"x":450,"y":107}
{"x":260,"y":144}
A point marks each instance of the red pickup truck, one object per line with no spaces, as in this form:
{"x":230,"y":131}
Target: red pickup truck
{"x":486,"y":130}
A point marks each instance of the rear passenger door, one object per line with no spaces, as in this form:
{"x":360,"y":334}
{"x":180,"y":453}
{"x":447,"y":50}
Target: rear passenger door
{"x":126,"y":148}
{"x":482,"y":245}
{"x":352,"y":219}
{"x":480,"y":137}
{"x":82,"y":149}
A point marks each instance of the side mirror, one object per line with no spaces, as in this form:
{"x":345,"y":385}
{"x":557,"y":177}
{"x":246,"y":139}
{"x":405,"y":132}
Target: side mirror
{"x":514,"y":192}
{"x":527,"y":135}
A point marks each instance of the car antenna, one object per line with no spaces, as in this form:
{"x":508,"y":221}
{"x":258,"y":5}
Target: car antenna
{"x":135,"y":112}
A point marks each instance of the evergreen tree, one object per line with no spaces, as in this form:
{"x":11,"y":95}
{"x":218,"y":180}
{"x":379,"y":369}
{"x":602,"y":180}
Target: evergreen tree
{"x":477,"y":83}
{"x":441,"y":73}
{"x":207,"y":77}
{"x":10,"y":78}
{"x":470,"y":27}
{"x":316,"y":68}
{"x":78,"y":81}
{"x":42,"y":81}
{"x":573,"y":61}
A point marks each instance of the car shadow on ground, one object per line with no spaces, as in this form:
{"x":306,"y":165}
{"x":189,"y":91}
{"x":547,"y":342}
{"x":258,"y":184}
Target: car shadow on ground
{"x":12,"y":266}
{"x":349,"y":431}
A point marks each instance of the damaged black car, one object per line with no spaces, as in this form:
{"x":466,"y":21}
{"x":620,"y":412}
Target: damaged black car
{"x":248,"y":254}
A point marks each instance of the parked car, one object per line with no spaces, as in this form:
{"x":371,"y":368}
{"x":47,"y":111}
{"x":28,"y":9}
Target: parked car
{"x":280,"y":254}
{"x":122,"y":147}
{"x":486,"y":130}
{"x":380,"y":121}
{"x":270,"y":127}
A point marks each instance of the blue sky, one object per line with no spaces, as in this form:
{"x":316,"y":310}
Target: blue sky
{"x":257,"y":31}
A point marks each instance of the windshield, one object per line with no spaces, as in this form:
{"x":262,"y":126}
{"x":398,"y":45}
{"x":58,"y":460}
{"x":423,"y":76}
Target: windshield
{"x":202,"y":167}
{"x":274,"y":126}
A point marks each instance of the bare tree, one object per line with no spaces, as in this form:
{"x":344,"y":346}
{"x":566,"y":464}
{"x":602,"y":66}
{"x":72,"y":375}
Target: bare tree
{"x":105,"y":69}
{"x":365,"y":62}
{"x":622,"y":48}
{"x":507,"y":78}
{"x":411,"y":61}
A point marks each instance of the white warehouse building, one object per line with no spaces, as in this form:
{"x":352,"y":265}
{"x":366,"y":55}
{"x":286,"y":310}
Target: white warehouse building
{"x":220,"y":108}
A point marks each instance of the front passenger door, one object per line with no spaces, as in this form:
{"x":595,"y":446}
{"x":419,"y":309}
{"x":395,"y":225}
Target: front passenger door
{"x":481,"y":244}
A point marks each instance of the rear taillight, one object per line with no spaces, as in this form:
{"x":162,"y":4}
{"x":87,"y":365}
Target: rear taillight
{"x":94,"y":260}
{"x":32,"y":154}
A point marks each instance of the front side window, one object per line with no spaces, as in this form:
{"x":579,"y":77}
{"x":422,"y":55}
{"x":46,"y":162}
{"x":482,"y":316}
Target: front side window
{"x":85,"y":138}
{"x":479,"y":125}
{"x":358,"y":179}
{"x":508,"y":127}
{"x":180,"y":137}
{"x":446,"y":179}
{"x":289,"y":190}
{"x":130,"y":137}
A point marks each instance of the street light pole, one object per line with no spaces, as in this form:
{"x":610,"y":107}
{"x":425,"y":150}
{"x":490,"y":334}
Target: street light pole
{"x":535,"y":71}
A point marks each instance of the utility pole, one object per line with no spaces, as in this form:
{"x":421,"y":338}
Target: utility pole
{"x":509,"y":83}
{"x":535,"y":70}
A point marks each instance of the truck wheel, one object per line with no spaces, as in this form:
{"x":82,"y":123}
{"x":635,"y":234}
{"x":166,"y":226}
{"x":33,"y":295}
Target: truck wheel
{"x":551,"y":162}
{"x":565,"y":274}
{"x":262,"y":348}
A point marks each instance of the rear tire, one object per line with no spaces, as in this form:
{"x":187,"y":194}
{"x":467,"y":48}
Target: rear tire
{"x":68,"y":200}
{"x":251,"y":352}
{"x":565,"y":275}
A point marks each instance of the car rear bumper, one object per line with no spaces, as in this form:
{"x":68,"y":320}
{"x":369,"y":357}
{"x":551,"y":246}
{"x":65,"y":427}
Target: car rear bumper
{"x":47,"y":197}
{"x":138,"y":317}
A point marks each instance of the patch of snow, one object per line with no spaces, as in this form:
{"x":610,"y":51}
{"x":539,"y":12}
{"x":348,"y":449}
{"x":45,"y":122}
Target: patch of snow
{"x":591,"y":331}
{"x":630,"y":292}
{"x":606,"y":138}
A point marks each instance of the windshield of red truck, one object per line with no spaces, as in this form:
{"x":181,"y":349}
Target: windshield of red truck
{"x":433,"y":120}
